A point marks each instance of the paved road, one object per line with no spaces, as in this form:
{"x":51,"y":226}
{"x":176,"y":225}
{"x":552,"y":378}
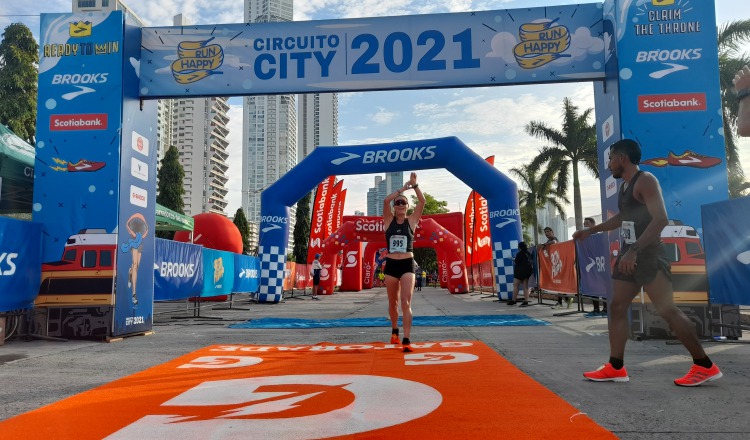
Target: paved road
{"x":650,"y":406}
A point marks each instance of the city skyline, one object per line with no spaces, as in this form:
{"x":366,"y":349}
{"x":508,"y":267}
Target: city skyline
{"x":489,"y":120}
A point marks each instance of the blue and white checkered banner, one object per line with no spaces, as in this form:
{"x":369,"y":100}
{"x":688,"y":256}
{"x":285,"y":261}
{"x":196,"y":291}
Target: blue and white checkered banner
{"x":594,"y":266}
{"x":20,"y":263}
{"x":218,"y":269}
{"x":178,"y":270}
{"x":727,"y":248}
{"x":246,"y":274}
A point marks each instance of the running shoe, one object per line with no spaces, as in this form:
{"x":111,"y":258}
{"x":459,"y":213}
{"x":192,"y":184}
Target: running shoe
{"x":85,"y":165}
{"x":698,"y":375}
{"x":511,"y":303}
{"x":394,"y":338}
{"x":607,"y":373}
{"x":407,"y":345}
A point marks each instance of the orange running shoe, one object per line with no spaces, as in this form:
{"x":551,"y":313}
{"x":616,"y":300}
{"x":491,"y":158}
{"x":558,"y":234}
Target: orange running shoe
{"x":607,"y":373}
{"x":407,"y":345}
{"x":394,"y":338}
{"x":698,"y":375}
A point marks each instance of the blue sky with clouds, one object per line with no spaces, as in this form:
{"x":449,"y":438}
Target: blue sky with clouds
{"x":488,"y":119}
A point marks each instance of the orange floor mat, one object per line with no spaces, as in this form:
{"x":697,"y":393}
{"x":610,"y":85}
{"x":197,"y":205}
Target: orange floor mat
{"x":442,"y":390}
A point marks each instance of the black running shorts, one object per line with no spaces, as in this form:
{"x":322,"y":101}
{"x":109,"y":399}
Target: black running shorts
{"x":397,"y":268}
{"x":650,"y":260}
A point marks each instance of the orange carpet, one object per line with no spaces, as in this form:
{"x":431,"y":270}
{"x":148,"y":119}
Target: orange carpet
{"x":443,"y":390}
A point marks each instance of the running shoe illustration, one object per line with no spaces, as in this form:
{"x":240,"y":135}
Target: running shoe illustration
{"x":84,"y":165}
{"x":691,"y":159}
{"x":686,"y":159}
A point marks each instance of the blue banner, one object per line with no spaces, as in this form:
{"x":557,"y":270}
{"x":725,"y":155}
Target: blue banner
{"x":79,"y":109}
{"x":480,"y":48}
{"x":218,"y":272}
{"x":178,"y":270}
{"x":727,"y":250}
{"x":246,"y":274}
{"x":134,"y":297}
{"x":670,"y":102}
{"x":20,"y":263}
{"x":594,"y":266}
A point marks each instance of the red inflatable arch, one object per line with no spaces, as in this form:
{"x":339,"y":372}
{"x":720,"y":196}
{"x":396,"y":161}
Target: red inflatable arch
{"x":369,"y":266}
{"x":429,"y":233}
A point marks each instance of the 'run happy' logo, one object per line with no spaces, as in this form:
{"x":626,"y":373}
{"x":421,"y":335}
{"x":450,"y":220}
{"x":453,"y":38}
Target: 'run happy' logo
{"x":197,"y":60}
{"x":541,"y":43}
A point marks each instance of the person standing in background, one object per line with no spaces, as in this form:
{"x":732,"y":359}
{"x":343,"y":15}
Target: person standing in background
{"x":315,"y":269}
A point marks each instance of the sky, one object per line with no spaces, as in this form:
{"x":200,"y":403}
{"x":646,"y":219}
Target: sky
{"x":490,"y":120}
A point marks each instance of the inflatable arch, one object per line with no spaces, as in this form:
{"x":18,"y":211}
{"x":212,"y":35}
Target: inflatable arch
{"x":448,"y":153}
{"x":428,"y":233}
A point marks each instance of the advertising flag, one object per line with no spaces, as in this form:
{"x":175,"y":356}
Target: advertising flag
{"x":317,"y":233}
{"x":469,"y":229}
{"x":330,"y":209}
{"x":481,"y":241}
{"x":340,"y":209}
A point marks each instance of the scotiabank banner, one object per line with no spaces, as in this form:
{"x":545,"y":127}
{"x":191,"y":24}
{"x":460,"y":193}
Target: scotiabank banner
{"x":79,"y":109}
{"x":317,"y":227}
{"x":89,"y":121}
{"x":669,"y":100}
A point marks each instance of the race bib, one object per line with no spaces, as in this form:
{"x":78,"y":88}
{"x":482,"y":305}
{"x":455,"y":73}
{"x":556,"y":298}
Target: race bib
{"x":397,"y":243}
{"x":627,"y":232}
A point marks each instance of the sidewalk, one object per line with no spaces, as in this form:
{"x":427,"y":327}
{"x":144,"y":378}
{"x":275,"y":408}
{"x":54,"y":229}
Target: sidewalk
{"x":650,"y":406}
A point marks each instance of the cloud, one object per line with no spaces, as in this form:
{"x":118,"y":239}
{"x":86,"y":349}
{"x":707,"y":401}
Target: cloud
{"x":383,"y":116}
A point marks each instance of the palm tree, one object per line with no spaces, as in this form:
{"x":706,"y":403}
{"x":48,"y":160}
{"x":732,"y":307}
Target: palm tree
{"x":575,"y":144}
{"x":538,"y":192}
{"x":732,"y":36}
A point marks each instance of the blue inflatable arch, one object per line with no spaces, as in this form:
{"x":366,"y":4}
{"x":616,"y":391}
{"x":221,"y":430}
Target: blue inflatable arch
{"x":448,"y":153}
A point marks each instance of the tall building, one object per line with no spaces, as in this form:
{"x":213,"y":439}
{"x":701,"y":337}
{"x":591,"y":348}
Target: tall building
{"x":318,"y":122}
{"x":382,"y":188}
{"x":198,"y":128}
{"x":269,"y":142}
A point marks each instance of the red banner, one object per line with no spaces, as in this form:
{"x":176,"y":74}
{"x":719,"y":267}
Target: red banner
{"x":557,"y":268}
{"x":481,"y":241}
{"x":469,"y":229}
{"x":330,"y":209}
{"x":317,"y":225}
{"x":340,"y":208}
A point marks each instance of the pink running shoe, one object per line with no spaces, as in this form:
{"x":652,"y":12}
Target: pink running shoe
{"x":607,"y":373}
{"x":698,"y":375}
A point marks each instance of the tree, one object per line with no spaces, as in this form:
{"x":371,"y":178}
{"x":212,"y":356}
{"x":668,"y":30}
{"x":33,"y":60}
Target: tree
{"x":302,"y":229}
{"x":19,"y":56}
{"x":241,"y":222}
{"x":426,"y":257}
{"x":431,"y":205}
{"x":575,"y":144}
{"x":732,"y":36}
{"x":170,"y":187}
{"x":538,"y":192}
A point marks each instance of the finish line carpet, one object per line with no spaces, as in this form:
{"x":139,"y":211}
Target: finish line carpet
{"x":445,"y":390}
{"x":424,"y":321}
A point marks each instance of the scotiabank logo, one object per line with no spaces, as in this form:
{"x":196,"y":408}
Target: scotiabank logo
{"x":672,"y":102}
{"x":90,"y":121}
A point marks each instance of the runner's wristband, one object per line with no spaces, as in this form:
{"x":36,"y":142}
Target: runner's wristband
{"x":742,"y":94}
{"x":415,"y":185}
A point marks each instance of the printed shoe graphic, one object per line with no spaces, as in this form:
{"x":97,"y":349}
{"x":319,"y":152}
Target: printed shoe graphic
{"x":692,"y":159}
{"x":84,"y":165}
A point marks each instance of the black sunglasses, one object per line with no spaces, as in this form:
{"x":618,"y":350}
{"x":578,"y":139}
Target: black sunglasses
{"x":400,"y":203}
